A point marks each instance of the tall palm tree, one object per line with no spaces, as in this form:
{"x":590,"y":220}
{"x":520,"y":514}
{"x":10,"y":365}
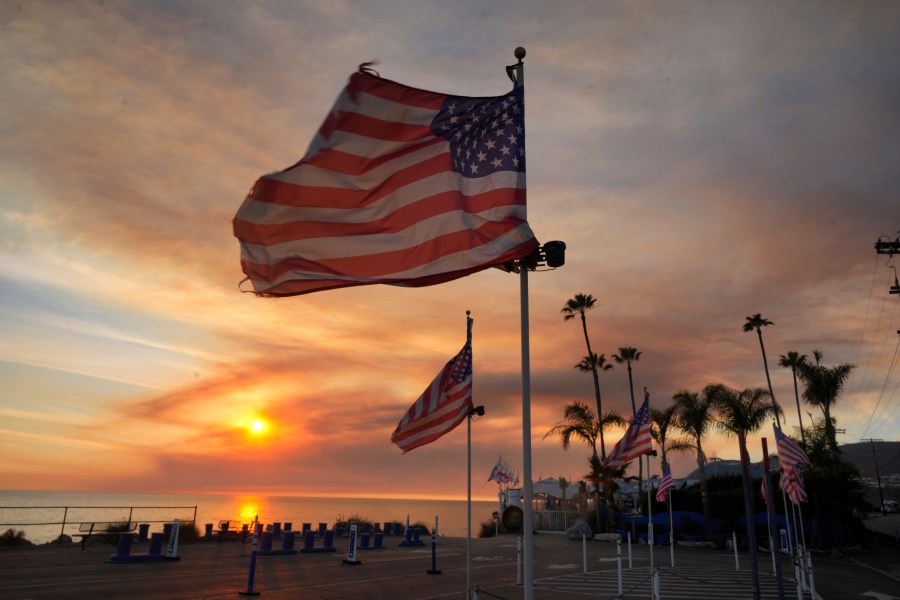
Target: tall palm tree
{"x":741,"y":413}
{"x":579,"y":306}
{"x":792,"y":360}
{"x":600,"y":475}
{"x":757,"y":322}
{"x":823,"y":387}
{"x":627,"y":356}
{"x":563,"y":485}
{"x":694,"y":417}
{"x":595,"y":364}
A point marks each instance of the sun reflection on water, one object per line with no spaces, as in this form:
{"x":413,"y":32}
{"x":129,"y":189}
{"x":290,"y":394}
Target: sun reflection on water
{"x":249,"y":507}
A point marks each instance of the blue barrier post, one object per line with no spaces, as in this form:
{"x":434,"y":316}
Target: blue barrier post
{"x":433,"y":570}
{"x":249,"y":591}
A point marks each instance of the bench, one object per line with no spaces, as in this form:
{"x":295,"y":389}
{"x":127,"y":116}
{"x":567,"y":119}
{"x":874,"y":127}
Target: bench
{"x":231,"y":530}
{"x":107,"y":531}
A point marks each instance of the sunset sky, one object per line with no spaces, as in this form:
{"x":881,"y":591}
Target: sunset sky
{"x":703,"y":161}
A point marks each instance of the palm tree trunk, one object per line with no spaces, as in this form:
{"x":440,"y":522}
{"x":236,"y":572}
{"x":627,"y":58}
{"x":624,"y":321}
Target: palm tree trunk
{"x":587,"y":342}
{"x":748,"y":512}
{"x":799,"y":413}
{"x":768,"y":379}
{"x":640,"y":462}
{"x":704,"y":492}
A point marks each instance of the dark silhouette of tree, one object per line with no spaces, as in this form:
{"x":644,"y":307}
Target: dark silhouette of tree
{"x":823,"y":387}
{"x":792,"y":360}
{"x":757,"y":322}
{"x":694,"y":417}
{"x":579,"y":306}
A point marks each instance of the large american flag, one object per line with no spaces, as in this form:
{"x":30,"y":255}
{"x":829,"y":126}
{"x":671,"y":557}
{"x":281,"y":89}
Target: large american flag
{"x":442,"y":406}
{"x":792,"y":484}
{"x":400,"y":186}
{"x":636,"y":441}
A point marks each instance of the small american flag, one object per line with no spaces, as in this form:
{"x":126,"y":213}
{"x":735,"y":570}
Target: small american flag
{"x":665,"y":485}
{"x":792,"y":484}
{"x":400,"y":186}
{"x":444,"y":405}
{"x":636,"y":441}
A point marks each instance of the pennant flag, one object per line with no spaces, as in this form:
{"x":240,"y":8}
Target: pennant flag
{"x":444,"y":405}
{"x":636,"y":441}
{"x":665,"y":485}
{"x":502,"y":472}
{"x":399,"y":186}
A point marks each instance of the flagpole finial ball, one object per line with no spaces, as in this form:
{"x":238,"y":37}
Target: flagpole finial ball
{"x":520,"y":52}
{"x":468,"y":312}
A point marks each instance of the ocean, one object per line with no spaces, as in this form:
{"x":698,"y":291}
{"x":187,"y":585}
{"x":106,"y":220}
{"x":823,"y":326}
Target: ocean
{"x":41,"y":514}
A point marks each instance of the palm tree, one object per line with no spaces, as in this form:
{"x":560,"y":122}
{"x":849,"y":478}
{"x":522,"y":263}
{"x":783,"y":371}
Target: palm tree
{"x":579,"y":424}
{"x":600,"y":475}
{"x":563,"y":485}
{"x":595,"y":364}
{"x":580,"y":305}
{"x":792,"y":360}
{"x":661,"y":420}
{"x":741,"y":413}
{"x":823,"y":387}
{"x":757,"y":322}
{"x":629,"y":355}
{"x":694,"y":417}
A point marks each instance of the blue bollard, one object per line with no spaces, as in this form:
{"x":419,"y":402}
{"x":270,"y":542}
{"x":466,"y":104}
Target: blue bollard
{"x":167,"y":530}
{"x":364,"y":541}
{"x":322,"y":528}
{"x":388,"y":528}
{"x":124,"y":544}
{"x":208,"y":531}
{"x":156,"y":541}
{"x":288,"y":526}
{"x":276,"y":529}
{"x":305,"y":527}
{"x":265,"y":541}
{"x":309,"y":540}
{"x":288,"y":543}
{"x":329,"y":539}
{"x":379,"y":540}
{"x":143,"y":532}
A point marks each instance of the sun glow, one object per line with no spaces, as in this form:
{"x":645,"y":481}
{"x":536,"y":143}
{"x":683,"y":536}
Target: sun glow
{"x":257,"y":425}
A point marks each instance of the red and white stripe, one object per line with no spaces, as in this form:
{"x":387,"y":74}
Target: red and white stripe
{"x":376,"y":200}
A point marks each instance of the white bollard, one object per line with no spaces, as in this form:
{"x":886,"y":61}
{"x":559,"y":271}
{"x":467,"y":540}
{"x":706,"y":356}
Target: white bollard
{"x":801,"y":554}
{"x":619,"y":562}
{"x":584,"y":552}
{"x":737,"y":563}
{"x":797,"y":576}
{"x":172,"y":553}
{"x":656,"y":595}
{"x":812,"y":579}
{"x":629,"y":550}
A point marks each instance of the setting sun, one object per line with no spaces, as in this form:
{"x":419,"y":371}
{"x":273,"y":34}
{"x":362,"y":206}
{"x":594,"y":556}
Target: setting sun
{"x":257,"y":425}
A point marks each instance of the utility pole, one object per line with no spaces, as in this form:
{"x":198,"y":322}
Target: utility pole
{"x":891,"y":248}
{"x":877,"y":474}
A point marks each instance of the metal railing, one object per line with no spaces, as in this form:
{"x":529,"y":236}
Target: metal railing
{"x":72,"y":516}
{"x":554,"y":520}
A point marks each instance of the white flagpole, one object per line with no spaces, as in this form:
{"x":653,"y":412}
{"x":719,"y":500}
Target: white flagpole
{"x":527,"y":488}
{"x":469,"y":504}
{"x":671,"y":531}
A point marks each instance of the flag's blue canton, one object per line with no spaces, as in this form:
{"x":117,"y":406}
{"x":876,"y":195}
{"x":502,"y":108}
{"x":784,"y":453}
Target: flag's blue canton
{"x":462,"y":365}
{"x":485,"y":134}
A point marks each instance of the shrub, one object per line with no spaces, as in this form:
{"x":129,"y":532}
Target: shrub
{"x":487,"y":529}
{"x":12,"y":537}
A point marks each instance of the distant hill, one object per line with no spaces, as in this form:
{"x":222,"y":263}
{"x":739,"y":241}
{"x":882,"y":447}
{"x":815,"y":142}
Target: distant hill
{"x":858,"y":454}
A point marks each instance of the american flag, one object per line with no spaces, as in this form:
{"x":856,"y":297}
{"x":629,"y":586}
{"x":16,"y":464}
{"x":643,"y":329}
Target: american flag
{"x":399,"y":186}
{"x":790,"y":454}
{"x":792,"y":484}
{"x":442,"y":406}
{"x":665,"y":485}
{"x":636,"y":441}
